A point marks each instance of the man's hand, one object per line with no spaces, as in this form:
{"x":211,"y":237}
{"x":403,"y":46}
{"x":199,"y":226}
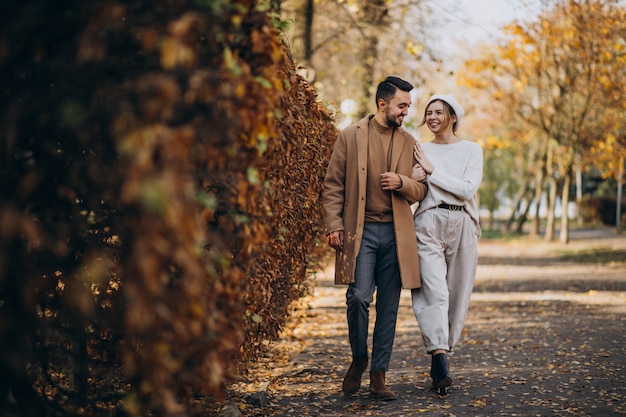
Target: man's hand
{"x":418,"y":173}
{"x":335,"y":240}
{"x":390,"y":181}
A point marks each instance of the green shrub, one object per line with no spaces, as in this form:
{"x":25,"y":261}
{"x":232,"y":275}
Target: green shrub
{"x":600,"y":210}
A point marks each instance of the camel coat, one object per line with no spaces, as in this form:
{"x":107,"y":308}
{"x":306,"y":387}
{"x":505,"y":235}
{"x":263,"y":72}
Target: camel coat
{"x":344,"y":200}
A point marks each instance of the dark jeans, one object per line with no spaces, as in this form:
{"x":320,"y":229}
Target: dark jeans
{"x":376,"y":269}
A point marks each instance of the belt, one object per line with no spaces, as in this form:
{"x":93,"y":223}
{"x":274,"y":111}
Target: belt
{"x":451,"y":207}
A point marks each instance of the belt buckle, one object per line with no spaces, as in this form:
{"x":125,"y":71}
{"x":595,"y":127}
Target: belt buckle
{"x":455,"y":208}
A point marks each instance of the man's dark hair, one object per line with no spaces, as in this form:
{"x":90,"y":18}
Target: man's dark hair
{"x":387,"y":88}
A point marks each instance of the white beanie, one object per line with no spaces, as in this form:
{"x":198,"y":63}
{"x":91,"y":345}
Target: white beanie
{"x":449,"y":98}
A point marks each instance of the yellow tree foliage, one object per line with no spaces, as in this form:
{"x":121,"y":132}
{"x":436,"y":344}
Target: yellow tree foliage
{"x":558,"y":78}
{"x":160,"y":183}
{"x":560,"y":74}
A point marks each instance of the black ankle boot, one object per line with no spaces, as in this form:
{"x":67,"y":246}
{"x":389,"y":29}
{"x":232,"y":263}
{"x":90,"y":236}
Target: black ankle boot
{"x":440,"y":374}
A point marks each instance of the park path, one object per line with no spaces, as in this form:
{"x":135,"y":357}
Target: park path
{"x":545,"y":336}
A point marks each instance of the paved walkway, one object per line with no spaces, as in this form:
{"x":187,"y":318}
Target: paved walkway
{"x":544,"y":337}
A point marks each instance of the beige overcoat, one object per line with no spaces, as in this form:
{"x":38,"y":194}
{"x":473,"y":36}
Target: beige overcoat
{"x":344,"y":200}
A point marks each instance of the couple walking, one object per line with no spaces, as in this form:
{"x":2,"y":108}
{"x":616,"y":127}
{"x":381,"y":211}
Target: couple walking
{"x":376,"y":172}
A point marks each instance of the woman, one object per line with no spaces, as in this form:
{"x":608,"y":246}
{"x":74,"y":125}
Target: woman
{"x":447,"y":229}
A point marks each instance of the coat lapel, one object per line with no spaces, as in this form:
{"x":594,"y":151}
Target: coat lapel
{"x":362,"y":140}
{"x":399,"y":139}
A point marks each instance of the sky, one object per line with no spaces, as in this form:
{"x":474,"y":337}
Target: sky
{"x":475,"y":21}
{"x":461,"y":25}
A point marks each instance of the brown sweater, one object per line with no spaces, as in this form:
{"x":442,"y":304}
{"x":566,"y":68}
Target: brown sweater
{"x":378,"y":201}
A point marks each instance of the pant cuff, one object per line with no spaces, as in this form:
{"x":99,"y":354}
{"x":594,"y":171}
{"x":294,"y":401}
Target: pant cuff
{"x":430,"y":349}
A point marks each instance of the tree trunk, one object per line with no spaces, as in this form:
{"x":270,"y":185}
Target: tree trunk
{"x":545,"y":159}
{"x":549,"y":170}
{"x":564,"y":235}
{"x":549,"y":234}
{"x":524,"y":216}
{"x":579,"y":192}
{"x":534,"y":225}
{"x":620,"y":179}
{"x":516,"y":204}
{"x":368,"y":57}
{"x":375,"y":16}
{"x":309,"y":11}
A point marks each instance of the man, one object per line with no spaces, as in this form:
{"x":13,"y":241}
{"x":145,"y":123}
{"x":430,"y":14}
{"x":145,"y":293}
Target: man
{"x":367,"y":195}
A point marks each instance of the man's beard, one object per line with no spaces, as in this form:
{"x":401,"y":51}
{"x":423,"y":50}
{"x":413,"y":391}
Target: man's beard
{"x":392,"y":122}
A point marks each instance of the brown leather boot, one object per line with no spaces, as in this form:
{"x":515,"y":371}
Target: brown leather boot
{"x":378,"y":389}
{"x":352,"y":380}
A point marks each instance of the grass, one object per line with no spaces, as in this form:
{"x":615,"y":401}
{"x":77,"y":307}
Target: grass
{"x":597,"y":253}
{"x":593,"y":255}
{"x":496,"y":234}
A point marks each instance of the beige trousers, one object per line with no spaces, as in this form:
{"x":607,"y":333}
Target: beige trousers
{"x":448,"y":252}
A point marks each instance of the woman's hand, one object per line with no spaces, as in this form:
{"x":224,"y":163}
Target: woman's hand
{"x":420,"y":157}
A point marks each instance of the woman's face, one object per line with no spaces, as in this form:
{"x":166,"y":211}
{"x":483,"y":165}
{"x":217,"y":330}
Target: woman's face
{"x":438,"y":118}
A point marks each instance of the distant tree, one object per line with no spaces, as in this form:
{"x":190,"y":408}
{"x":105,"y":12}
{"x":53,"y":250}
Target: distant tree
{"x":499,"y":180}
{"x":549,"y":76}
{"x":349,"y":45}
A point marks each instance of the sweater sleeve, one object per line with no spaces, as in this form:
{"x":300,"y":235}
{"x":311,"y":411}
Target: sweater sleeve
{"x":465,"y":187}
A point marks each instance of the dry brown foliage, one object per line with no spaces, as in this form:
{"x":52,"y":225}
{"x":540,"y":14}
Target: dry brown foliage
{"x":161,"y":173}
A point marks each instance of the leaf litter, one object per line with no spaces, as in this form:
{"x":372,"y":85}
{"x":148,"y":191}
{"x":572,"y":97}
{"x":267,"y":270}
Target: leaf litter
{"x":533,"y":353}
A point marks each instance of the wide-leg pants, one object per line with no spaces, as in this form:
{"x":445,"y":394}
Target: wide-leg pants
{"x":376,"y":269}
{"x":448,"y":253}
